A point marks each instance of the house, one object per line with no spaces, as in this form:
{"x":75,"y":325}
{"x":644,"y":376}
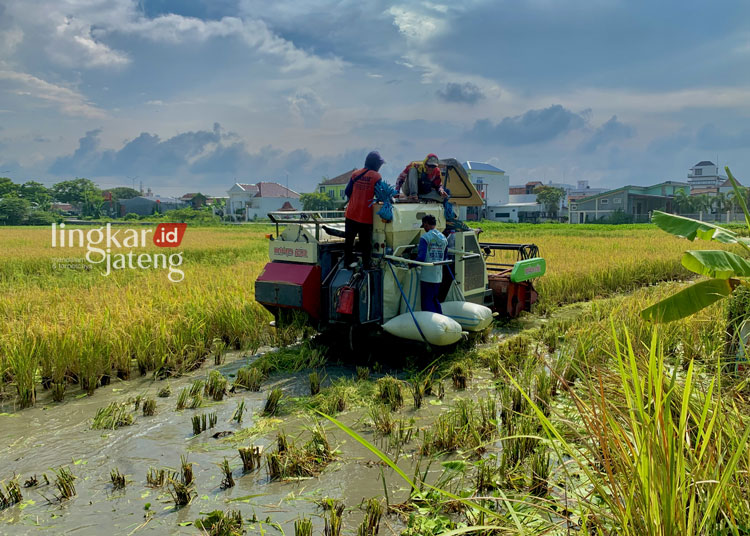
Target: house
{"x":252,"y":201}
{"x":196,"y":200}
{"x":705,"y":175}
{"x":492,"y":185}
{"x":334,"y":188}
{"x":148,"y":205}
{"x":582,"y":190}
{"x":634,"y":202}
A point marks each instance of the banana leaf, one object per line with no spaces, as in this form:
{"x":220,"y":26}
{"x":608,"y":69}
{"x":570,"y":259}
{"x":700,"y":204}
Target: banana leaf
{"x":716,"y":264}
{"x":692,"y":229}
{"x":690,"y":300}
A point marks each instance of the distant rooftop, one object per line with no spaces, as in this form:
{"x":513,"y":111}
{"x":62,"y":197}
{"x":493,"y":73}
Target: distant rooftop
{"x":338,"y":179}
{"x":481,"y":166}
{"x":704,"y":163}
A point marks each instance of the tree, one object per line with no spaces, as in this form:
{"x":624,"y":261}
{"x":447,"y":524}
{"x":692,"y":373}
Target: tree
{"x":726,"y":269}
{"x":702,"y":203}
{"x":683,"y":201}
{"x":722,"y":202}
{"x":549,"y":197}
{"x":122,"y":192}
{"x":75,"y":191}
{"x":35,"y":192}
{"x":13,"y":210}
{"x":317,"y":201}
{"x":7,"y":188}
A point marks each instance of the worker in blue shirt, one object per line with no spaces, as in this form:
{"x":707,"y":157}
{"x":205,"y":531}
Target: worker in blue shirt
{"x":432,"y":248}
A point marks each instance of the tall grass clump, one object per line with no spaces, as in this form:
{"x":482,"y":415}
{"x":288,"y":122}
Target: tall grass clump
{"x":249,"y":378}
{"x":112,"y":416}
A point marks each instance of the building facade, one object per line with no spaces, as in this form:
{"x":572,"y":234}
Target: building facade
{"x":491,"y":183}
{"x":334,"y":188}
{"x":248,"y":202}
{"x":148,"y":205}
{"x":630,"y":203}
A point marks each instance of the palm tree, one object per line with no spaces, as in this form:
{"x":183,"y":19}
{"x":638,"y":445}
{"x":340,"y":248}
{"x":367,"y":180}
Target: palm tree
{"x":702,"y":203}
{"x":683,"y":202}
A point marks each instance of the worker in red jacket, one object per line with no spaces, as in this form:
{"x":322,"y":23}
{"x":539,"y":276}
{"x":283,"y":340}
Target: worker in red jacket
{"x":360,"y":191}
{"x":421,"y":180}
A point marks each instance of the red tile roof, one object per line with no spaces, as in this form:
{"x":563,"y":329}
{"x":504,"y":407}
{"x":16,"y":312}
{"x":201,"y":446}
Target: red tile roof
{"x":339,"y":179}
{"x":274,"y":189}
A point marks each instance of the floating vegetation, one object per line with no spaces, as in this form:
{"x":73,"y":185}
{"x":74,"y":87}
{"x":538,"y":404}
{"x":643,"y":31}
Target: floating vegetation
{"x":250,"y":378}
{"x":389,"y":391}
{"x":382,"y":418}
{"x":117,"y":479}
{"x":289,"y":461}
{"x":218,"y":523}
{"x":303,"y":527}
{"x":149,"y":407}
{"x":31,"y":482}
{"x":182,"y":399}
{"x":112,"y":416}
{"x":314,"y":384}
{"x":12,"y":494}
{"x":251,"y":457}
{"x":363,"y":374}
{"x":165,"y":392}
{"x":64,"y":483}
{"x":371,"y":523}
{"x":58,"y":391}
{"x":272,"y":402}
{"x":237,"y":416}
{"x":227,"y":480}
{"x":216,"y":386}
{"x":203,"y":422}
{"x":460,"y":373}
{"x":334,"y":515}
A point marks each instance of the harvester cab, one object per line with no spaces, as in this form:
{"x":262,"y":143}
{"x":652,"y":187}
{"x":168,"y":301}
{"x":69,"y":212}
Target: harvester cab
{"x":306,"y":272}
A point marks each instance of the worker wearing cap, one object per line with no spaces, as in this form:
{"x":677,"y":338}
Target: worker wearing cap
{"x":432,"y":248}
{"x":360,"y":191}
{"x":421,"y":180}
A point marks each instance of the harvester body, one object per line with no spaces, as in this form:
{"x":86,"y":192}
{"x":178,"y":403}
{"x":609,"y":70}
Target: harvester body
{"x":307,"y":273}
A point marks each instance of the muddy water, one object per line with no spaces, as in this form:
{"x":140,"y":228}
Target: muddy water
{"x":50,"y":435}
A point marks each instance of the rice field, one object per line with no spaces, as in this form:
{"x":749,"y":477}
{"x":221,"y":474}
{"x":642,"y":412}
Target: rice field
{"x":66,"y":326}
{"x":581,"y":419}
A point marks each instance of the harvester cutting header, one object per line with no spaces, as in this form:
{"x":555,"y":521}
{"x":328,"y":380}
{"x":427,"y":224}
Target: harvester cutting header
{"x":381,"y":292}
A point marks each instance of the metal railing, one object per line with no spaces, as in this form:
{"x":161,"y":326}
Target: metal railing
{"x":303,"y":217}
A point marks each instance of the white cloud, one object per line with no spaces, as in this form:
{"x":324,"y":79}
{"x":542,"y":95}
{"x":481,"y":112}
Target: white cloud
{"x":68,"y":101}
{"x":307,"y":105}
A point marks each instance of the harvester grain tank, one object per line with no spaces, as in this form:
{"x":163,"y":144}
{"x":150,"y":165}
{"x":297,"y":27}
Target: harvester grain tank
{"x":306,"y":273}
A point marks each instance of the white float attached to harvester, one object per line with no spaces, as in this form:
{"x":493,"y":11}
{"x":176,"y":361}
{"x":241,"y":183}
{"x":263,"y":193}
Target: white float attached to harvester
{"x":307,"y":273}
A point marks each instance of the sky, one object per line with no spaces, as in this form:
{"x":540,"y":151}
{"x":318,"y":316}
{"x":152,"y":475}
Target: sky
{"x":195,"y":95}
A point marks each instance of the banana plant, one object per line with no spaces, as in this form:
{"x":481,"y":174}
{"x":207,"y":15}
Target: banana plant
{"x":724,"y":269}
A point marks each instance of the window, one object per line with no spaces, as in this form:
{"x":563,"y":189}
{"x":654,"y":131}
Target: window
{"x":573,"y":206}
{"x":322,"y":189}
{"x":502,"y":215}
{"x":617,"y":200}
{"x":332,"y":194}
{"x":604,"y":201}
{"x":342,"y":193}
{"x":697,"y":172}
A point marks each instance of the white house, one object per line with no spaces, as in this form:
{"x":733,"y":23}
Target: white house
{"x":492,"y":185}
{"x":251,"y":201}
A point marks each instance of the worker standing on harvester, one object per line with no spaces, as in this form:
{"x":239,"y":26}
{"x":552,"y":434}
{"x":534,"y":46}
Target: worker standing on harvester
{"x":432,"y":248}
{"x":421,"y":180}
{"x":360,"y":191}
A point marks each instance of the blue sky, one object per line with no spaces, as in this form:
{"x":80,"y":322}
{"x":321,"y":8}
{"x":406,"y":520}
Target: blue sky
{"x":189,"y":95}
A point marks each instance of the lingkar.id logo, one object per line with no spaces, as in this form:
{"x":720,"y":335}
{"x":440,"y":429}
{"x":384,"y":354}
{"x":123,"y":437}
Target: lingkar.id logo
{"x":99,"y":243}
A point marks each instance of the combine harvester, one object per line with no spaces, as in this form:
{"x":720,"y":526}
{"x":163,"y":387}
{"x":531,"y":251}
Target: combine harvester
{"x":307,"y":274}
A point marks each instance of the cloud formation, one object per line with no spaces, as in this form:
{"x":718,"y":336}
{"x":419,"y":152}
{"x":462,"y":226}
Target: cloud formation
{"x":466,"y":93}
{"x":534,"y":126}
{"x":612,"y":130}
